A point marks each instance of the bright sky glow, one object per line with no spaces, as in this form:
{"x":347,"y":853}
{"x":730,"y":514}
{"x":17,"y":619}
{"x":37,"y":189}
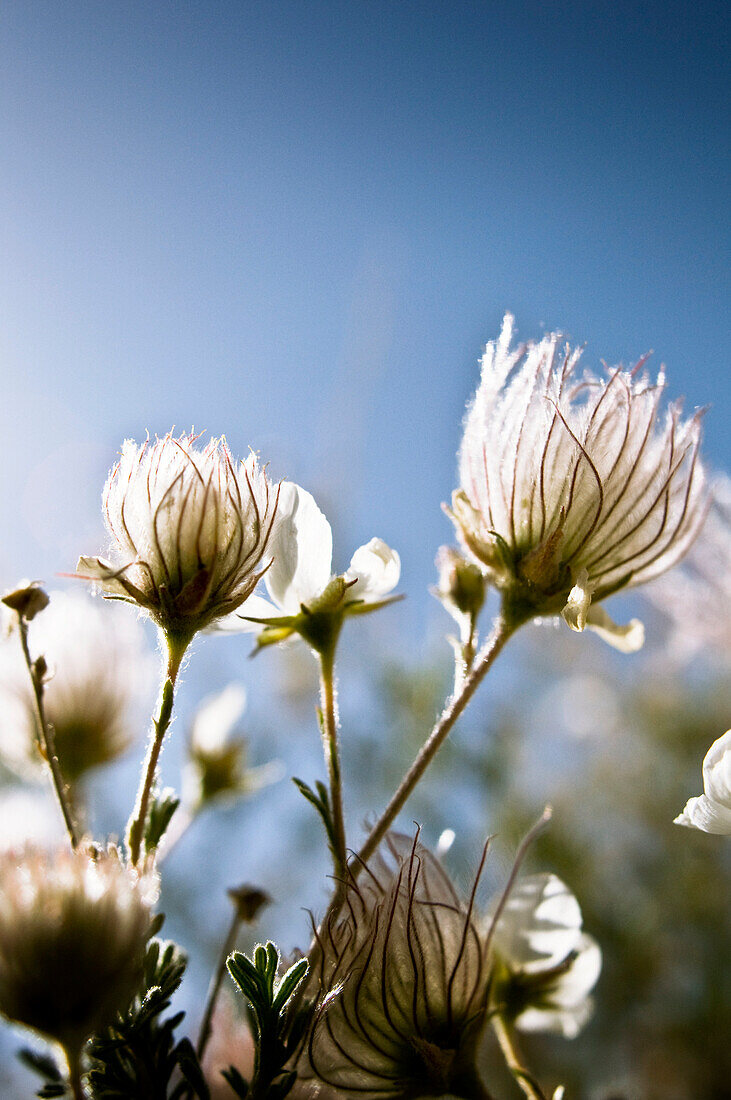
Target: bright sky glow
{"x":297,"y":224}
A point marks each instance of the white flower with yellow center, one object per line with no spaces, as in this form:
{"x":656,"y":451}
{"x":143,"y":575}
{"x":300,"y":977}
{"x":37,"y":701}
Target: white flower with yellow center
{"x":570,"y":487}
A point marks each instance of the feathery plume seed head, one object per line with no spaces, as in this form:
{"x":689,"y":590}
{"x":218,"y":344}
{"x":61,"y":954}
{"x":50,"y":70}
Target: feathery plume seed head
{"x":190,"y":529}
{"x":407,"y":982}
{"x":573,"y":488}
{"x":98,"y":676}
{"x":73,"y":931}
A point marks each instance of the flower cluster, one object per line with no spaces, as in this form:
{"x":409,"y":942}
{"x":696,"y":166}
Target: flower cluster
{"x":570,"y":488}
{"x":190,"y":528}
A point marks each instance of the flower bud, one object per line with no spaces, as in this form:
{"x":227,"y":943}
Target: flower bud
{"x":462,"y":586}
{"x":27,"y":600}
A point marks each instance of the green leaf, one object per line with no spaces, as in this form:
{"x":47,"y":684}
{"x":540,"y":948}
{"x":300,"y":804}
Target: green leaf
{"x":289,"y":983}
{"x":159,"y":816}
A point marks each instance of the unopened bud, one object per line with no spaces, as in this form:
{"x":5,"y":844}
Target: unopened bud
{"x":249,"y":902}
{"x":27,"y":599}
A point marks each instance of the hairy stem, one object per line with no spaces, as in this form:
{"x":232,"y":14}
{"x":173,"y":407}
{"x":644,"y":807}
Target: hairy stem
{"x":45,"y":735}
{"x":514,"y":1059}
{"x":332,"y":761}
{"x":74,"y":1064}
{"x":502,"y":630}
{"x":160,"y":726}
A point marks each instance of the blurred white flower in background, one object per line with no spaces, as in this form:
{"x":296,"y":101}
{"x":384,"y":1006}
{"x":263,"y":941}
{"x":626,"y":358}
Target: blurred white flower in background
{"x":216,"y":766}
{"x":28,"y":815}
{"x":711,"y":811}
{"x":190,"y":530}
{"x":552,"y":964}
{"x":696,"y":597}
{"x":101,"y":676}
{"x":570,"y":490}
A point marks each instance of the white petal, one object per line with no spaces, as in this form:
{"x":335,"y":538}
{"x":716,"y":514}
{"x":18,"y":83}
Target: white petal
{"x":103,"y":572}
{"x":540,"y":925}
{"x":578,"y":603}
{"x":217,"y":717}
{"x":301,"y":549}
{"x":376,"y":569}
{"x":255,"y":607}
{"x":556,"y":1021}
{"x":627,"y":639}
{"x":574,"y":986}
{"x":717,"y":772}
{"x":702,"y":813}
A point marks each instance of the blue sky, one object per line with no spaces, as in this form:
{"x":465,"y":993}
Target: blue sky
{"x":298,"y":223}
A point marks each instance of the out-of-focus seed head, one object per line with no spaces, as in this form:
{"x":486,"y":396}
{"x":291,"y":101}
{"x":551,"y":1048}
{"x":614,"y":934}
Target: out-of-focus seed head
{"x":190,"y":530}
{"x":571,"y":489}
{"x":99,"y":675}
{"x":73,"y":931}
{"x":404,"y":982}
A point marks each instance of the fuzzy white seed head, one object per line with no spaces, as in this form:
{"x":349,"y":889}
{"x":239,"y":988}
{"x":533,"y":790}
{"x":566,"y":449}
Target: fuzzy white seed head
{"x":190,"y":531}
{"x":570,"y":481}
{"x":73,"y":931}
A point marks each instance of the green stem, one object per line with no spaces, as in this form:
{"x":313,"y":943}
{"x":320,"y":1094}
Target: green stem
{"x":502,"y":630}
{"x":45,"y":734}
{"x":160,"y":726}
{"x":514,"y":1059}
{"x":332,"y":761}
{"x":215,"y":986}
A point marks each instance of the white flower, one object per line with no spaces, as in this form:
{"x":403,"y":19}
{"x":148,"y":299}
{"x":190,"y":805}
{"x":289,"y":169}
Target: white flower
{"x":73,"y":930}
{"x":552,"y":964}
{"x":696,"y":597}
{"x":190,"y":529}
{"x":301,"y":570}
{"x":101,"y":676}
{"x":711,"y":811}
{"x":570,"y":489}
{"x":216,"y":766}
